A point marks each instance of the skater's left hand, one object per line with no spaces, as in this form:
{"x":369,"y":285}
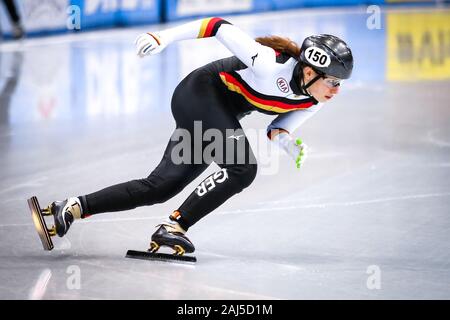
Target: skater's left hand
{"x":149,"y":44}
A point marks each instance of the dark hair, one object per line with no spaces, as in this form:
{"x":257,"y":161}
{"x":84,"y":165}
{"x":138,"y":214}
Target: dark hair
{"x":281,"y":44}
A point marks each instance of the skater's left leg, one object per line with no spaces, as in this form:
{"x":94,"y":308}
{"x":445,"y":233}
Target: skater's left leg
{"x":213,"y":192}
{"x":209,"y":195}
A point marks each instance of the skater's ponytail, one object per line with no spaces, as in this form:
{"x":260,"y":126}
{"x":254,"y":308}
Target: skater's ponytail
{"x":281,"y":44}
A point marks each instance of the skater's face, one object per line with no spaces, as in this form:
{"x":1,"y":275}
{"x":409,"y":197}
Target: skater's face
{"x":323,"y":89}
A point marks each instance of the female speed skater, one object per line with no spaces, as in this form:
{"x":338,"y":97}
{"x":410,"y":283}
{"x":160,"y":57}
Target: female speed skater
{"x":272,"y":75}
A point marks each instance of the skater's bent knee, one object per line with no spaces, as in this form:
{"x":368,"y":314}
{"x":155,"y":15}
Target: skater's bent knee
{"x":154,"y":191}
{"x":245,"y":173}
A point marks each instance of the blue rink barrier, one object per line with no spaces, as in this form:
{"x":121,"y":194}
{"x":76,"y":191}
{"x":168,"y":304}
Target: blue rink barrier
{"x":94,"y":16}
{"x":45,"y":17}
{"x":184,"y":9}
{"x":289,"y":4}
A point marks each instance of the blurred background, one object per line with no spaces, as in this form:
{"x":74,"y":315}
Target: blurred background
{"x":390,"y":46}
{"x":79,"y":111}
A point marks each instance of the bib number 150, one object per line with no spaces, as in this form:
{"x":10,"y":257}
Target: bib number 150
{"x":317,"y":57}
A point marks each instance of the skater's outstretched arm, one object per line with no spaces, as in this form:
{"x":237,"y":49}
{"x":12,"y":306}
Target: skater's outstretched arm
{"x":257,"y":57}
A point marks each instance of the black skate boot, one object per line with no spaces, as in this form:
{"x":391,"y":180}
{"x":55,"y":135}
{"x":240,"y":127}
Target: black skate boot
{"x":170,"y":234}
{"x":64,"y":213}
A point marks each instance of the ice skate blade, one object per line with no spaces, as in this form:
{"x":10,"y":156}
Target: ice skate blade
{"x":40,"y":225}
{"x":146,"y":255}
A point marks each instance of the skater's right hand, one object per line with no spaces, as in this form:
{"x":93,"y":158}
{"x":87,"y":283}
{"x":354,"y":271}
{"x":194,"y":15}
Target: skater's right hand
{"x":294,"y":148}
{"x":149,"y":44}
{"x":300,"y":159}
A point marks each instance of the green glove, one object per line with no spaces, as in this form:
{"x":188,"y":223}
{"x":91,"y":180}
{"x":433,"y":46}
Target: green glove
{"x":301,"y":156}
{"x":294,"y":148}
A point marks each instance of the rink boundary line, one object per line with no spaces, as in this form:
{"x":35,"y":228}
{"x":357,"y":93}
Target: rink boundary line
{"x":340,"y":204}
{"x":436,"y":141}
{"x":351,"y":203}
{"x":306,"y":206}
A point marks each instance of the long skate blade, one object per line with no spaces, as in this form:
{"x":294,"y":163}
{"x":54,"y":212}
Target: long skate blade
{"x":39,"y":223}
{"x":146,"y":255}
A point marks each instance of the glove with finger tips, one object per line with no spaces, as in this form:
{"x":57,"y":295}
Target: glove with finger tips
{"x":302,"y":155}
{"x":148,"y":44}
{"x":296,"y":149}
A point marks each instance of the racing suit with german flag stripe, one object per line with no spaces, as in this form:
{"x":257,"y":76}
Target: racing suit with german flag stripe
{"x":215,"y":97}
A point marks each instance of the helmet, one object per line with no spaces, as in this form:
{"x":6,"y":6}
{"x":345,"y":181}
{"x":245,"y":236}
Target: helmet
{"x":328,"y":55}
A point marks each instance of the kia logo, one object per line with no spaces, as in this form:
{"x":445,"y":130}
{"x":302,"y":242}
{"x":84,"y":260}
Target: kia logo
{"x":282,"y":85}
